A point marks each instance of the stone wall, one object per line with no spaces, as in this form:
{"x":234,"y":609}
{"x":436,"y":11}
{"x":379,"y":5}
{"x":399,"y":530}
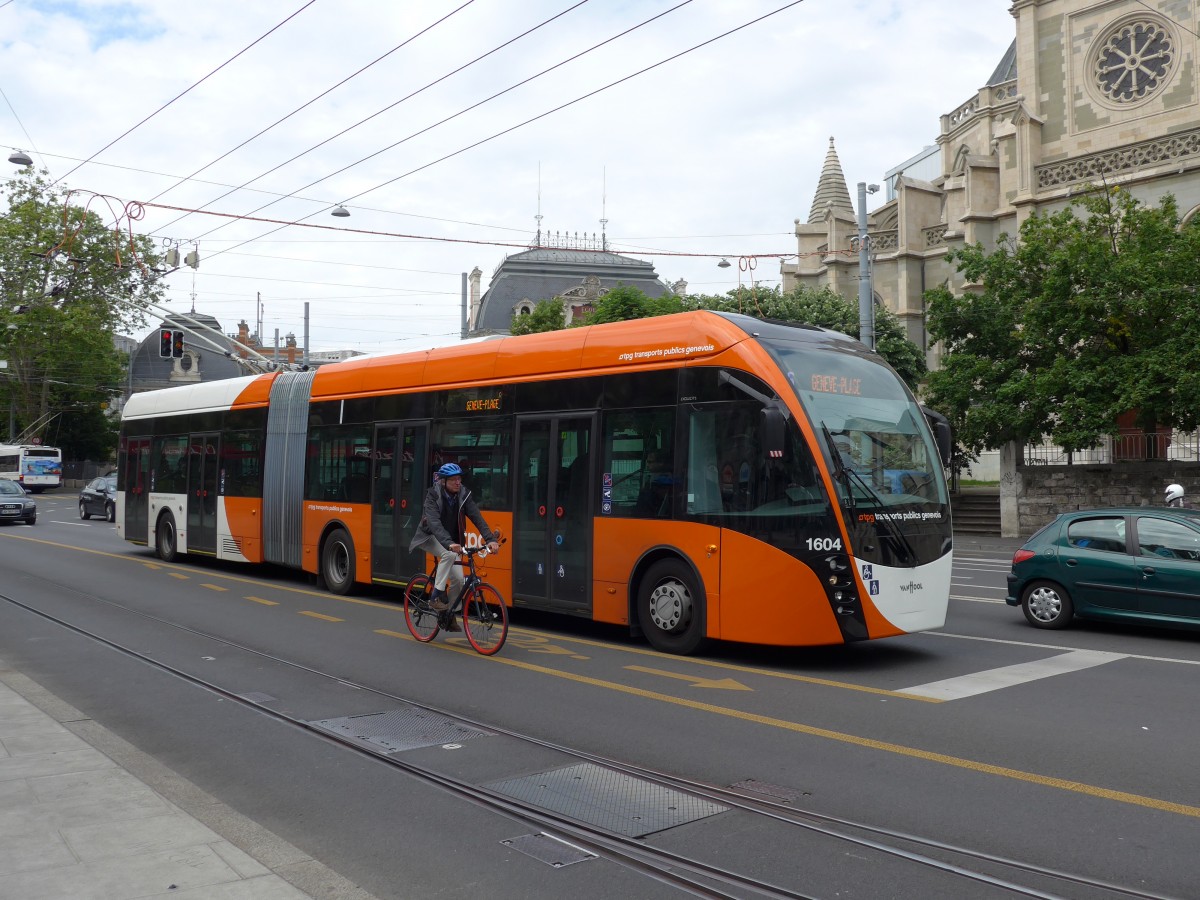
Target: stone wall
{"x":1046,"y":491}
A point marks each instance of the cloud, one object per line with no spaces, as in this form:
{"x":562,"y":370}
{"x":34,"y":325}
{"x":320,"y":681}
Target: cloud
{"x":715,"y":152}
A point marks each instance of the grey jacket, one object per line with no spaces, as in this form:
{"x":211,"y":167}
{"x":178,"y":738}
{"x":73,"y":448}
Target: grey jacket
{"x":431,"y":519}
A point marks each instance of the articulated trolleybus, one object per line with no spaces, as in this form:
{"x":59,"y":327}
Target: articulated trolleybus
{"x":692,"y":476}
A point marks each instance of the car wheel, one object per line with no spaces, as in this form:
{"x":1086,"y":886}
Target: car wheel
{"x":337,"y":562}
{"x":32,"y":520}
{"x":83,"y":513}
{"x":165,"y":540}
{"x":1047,"y":605}
{"x":110,"y":511}
{"x":670,"y":608}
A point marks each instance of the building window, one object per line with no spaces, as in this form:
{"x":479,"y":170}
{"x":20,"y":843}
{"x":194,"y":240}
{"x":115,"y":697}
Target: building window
{"x":1134,"y":60}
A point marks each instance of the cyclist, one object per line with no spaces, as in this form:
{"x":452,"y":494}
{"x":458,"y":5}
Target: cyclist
{"x":442,"y":530}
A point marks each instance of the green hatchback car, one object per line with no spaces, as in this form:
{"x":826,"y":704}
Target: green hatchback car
{"x":1138,"y":564}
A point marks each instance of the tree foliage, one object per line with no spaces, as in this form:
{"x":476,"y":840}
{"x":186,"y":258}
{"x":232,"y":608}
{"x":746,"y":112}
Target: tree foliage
{"x":68,"y":282}
{"x":1091,"y":315}
{"x":805,"y":306}
{"x":547,"y":315}
{"x":827,"y":309}
{"x":627,"y":302}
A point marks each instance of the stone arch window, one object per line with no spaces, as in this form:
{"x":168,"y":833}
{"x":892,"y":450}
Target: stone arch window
{"x":524,"y":308}
{"x":1187,"y":218}
{"x":1134,"y":59}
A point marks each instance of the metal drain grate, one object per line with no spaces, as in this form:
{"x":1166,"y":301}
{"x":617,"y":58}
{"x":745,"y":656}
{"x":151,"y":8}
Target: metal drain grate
{"x":612,"y":800}
{"x":399,"y":729}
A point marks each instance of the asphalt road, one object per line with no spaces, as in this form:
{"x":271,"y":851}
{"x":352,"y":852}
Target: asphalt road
{"x":1070,"y":750}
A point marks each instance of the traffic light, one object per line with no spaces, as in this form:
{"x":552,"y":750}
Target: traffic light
{"x":177,"y":344}
{"x":164,"y":342}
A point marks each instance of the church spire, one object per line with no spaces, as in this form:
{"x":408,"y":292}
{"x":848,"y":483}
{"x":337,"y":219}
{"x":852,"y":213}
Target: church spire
{"x":831,"y":189}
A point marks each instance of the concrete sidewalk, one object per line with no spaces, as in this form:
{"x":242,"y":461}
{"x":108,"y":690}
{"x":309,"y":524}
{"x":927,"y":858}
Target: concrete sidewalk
{"x":85,"y":815}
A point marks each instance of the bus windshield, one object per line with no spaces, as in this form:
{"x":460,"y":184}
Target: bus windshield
{"x":870,"y":425}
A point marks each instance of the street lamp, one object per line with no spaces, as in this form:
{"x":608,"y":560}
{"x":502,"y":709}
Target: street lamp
{"x":340,"y":211}
{"x":20,"y":158}
{"x":866,"y":294}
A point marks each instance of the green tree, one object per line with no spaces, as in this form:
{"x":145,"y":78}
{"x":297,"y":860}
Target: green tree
{"x":827,"y":309}
{"x":628,"y":302}
{"x":68,"y":281}
{"x":547,"y":315}
{"x":1092,"y":314}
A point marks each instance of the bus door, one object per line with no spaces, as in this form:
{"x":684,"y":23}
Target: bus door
{"x":203,"y":470}
{"x":553,"y":512}
{"x":137,"y":489}
{"x":398,"y":485}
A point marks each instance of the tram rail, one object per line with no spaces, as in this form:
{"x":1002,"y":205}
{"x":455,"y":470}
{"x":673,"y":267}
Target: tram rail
{"x":694,"y":876}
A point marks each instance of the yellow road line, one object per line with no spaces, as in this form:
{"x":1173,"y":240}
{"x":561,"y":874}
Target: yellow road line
{"x":749,"y":670}
{"x":769,"y":721}
{"x":213,"y":587}
{"x":322,"y":617}
{"x":262,"y":601}
{"x":1077,"y":787}
{"x":179,"y":575}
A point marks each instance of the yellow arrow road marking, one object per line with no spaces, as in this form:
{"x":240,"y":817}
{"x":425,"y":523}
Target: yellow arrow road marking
{"x":724,"y":684}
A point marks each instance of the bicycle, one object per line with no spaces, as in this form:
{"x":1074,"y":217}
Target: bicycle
{"x":484,"y":614}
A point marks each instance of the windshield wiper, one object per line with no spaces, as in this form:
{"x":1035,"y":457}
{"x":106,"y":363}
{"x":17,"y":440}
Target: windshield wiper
{"x":846,"y":473}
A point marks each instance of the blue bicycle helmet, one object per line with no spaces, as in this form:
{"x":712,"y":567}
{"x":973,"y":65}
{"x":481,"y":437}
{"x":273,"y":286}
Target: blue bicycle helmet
{"x":449,"y":470}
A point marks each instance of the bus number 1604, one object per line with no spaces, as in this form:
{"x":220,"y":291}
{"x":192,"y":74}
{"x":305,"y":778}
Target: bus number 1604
{"x":824,"y":544}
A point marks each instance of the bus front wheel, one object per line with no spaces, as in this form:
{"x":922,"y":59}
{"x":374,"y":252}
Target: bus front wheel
{"x":166,"y":543}
{"x":671,"y":608}
{"x":337,"y":562}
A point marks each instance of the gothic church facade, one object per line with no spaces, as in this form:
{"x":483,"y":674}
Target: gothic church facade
{"x":1088,"y":93}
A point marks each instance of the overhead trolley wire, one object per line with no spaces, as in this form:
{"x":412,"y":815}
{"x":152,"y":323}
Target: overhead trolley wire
{"x":303,"y":106}
{"x":455,"y":115}
{"x":257,"y":40}
{"x":505,"y":131}
{"x":375,"y":114}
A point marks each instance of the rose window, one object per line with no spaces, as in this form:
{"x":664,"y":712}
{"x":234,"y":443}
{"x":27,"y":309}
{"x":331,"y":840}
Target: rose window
{"x":1134,"y":61}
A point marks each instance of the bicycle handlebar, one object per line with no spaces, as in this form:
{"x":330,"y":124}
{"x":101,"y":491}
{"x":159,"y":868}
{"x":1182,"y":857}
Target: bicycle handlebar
{"x":481,"y":551}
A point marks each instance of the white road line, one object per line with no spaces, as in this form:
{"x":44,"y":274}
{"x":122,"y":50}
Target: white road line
{"x":989,"y":640}
{"x":975,"y":599}
{"x":1009,"y":676}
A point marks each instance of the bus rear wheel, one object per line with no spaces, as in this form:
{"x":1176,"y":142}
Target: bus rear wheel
{"x":166,"y":543}
{"x":671,"y":609}
{"x":337,"y":562}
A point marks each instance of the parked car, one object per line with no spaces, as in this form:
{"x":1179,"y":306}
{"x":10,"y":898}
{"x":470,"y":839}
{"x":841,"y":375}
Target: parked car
{"x":1138,"y":564}
{"x":99,"y":498}
{"x":15,"y":503}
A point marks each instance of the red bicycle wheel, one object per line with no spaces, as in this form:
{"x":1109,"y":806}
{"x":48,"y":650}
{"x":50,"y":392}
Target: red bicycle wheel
{"x":421,"y":620}
{"x":485,"y":619}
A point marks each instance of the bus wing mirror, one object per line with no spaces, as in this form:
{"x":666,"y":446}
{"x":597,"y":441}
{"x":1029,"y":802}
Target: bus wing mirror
{"x":774,"y":427}
{"x":942,"y":435}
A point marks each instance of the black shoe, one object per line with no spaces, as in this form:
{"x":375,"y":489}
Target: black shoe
{"x":452,"y":624}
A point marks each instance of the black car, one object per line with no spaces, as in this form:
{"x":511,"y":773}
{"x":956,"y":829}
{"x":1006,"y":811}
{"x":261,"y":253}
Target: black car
{"x":99,"y":498}
{"x":15,"y":503}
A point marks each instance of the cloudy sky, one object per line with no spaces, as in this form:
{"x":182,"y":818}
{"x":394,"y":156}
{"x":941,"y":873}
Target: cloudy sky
{"x":695,"y":130}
